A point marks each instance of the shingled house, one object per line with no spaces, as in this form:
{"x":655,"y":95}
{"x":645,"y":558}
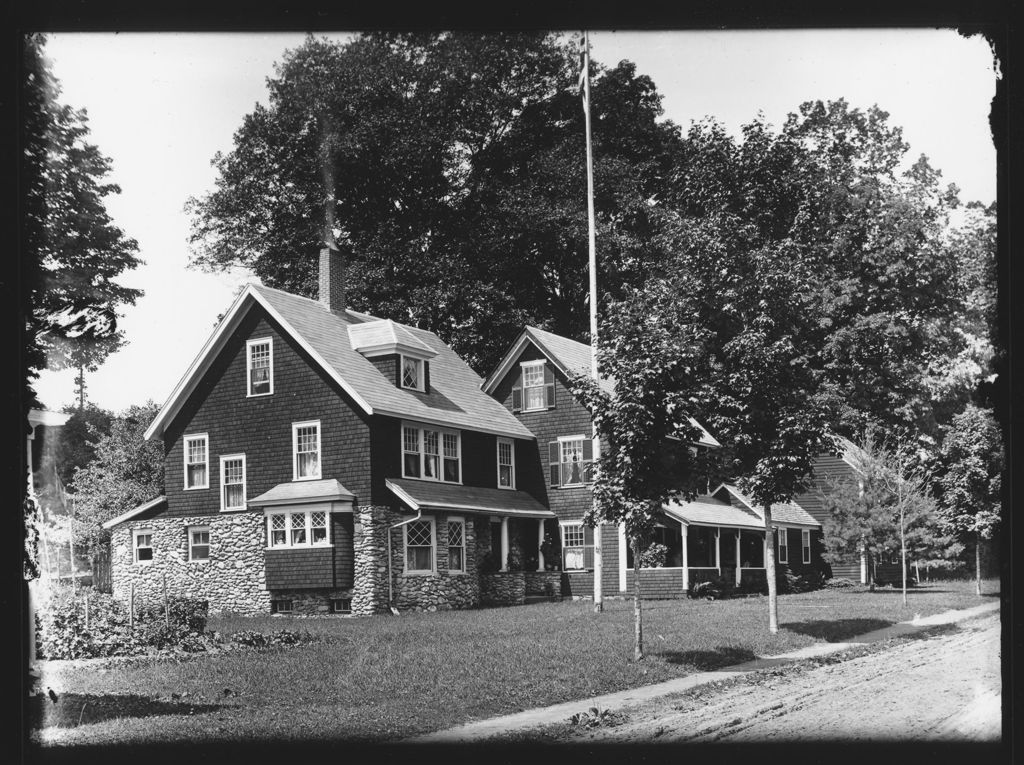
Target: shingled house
{"x":321,"y":459}
{"x":720,"y":534}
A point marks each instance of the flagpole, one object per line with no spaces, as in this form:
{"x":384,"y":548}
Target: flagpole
{"x":592,"y":241}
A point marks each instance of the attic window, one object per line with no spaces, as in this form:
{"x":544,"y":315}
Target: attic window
{"x":412,"y":373}
{"x":260,"y":366}
{"x":534,"y":390}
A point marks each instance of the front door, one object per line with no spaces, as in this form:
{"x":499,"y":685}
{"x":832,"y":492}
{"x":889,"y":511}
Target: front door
{"x":727,"y":545}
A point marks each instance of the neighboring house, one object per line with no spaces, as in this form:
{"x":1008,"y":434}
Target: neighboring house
{"x":320,"y":459}
{"x":705,"y":538}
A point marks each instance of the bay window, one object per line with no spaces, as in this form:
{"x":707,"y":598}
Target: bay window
{"x":298,"y":528}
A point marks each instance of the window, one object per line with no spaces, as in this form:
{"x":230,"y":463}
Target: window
{"x":412,"y":373}
{"x":306,"y":450}
{"x":577,"y":553}
{"x":571,"y":461}
{"x":298,"y":528}
{"x":260,"y":366}
{"x":419,"y":547}
{"x":805,"y":542}
{"x":144,"y":546}
{"x":506,"y":464}
{"x":432,"y":454}
{"x":197,"y":474}
{"x":281,"y":606}
{"x":456,"y":545}
{"x":232,"y":482}
{"x":198,"y":543}
{"x":533,"y":386}
{"x":341,"y":605}
{"x":782,"y":536}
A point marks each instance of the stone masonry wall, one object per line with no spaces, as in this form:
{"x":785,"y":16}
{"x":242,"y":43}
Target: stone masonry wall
{"x":311,"y":602}
{"x":231,"y":580}
{"x":505,"y":588}
{"x":543,"y":582}
{"x":442,"y":590}
{"x":369,"y":541}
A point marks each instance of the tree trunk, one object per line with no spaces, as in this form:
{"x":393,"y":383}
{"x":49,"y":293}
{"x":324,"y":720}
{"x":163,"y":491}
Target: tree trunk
{"x":769,"y":571}
{"x":903,"y":557}
{"x":638,"y":614}
{"x":977,"y":561}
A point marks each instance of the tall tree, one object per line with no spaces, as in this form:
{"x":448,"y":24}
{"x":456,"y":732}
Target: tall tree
{"x":126,"y":471}
{"x":71,"y":250}
{"x":653,"y":354}
{"x":972,"y":453}
{"x":458,"y":181}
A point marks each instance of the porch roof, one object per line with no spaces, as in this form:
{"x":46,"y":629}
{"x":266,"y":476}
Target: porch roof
{"x":431,"y":495}
{"x":711,"y":511}
{"x":301,"y":492}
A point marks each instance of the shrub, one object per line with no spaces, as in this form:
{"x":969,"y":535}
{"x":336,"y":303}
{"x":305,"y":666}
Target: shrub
{"x":654,"y":556}
{"x":839,"y":582}
{"x":715,"y":588}
{"x":788,"y":582}
{"x":280,"y":638}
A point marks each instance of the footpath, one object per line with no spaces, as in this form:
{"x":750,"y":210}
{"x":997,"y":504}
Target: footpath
{"x":482,"y":730}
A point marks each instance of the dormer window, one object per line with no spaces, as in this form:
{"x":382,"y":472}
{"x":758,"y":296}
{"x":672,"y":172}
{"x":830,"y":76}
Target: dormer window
{"x":260,"y":366}
{"x":535,"y":389}
{"x":412,"y":373}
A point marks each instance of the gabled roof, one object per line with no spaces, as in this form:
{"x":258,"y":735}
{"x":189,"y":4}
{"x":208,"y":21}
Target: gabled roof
{"x":786,"y":514}
{"x":566,"y":356}
{"x":712,"y":511}
{"x":135,"y":511}
{"x":455,"y":399}
{"x":302,"y":492}
{"x":431,"y":495}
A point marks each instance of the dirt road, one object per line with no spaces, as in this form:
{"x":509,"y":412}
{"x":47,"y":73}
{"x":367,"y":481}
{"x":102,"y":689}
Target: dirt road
{"x":945,"y":687}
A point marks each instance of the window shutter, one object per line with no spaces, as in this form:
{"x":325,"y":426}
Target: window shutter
{"x":588,"y":550}
{"x":398,"y":370}
{"x":549,"y":386}
{"x":426,"y":376}
{"x":517,"y":391}
{"x":553,"y":461}
{"x":588,"y":459}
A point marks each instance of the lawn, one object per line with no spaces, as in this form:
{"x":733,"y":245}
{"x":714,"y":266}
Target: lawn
{"x":385,"y":678}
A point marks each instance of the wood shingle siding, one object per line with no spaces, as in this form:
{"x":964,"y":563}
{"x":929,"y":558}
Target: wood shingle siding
{"x":261,"y":427}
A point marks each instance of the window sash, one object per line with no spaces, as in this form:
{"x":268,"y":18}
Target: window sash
{"x":306,"y":449}
{"x":412,"y":373}
{"x":197,"y":461}
{"x":805,"y":544}
{"x":419,"y":547}
{"x":260,"y":367}
{"x":782,"y":536}
{"x":456,"y":545}
{"x":432,"y":454}
{"x":298,"y":528}
{"x":232,"y":480}
{"x":573,"y":472}
{"x":577,"y":555}
{"x":534,"y":395}
{"x":199,"y":543}
{"x":143,"y":546}
{"x":506,"y":464}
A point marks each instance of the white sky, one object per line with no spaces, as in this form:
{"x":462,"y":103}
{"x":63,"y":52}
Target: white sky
{"x":160,"y":106}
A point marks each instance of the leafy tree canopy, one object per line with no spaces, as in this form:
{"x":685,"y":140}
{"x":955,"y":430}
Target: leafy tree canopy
{"x":972,"y":453}
{"x":455,"y":179}
{"x":71,"y":250}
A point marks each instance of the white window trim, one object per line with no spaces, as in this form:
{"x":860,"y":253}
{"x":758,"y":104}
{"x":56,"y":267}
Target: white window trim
{"x":805,"y":545}
{"x":136,"y":533}
{"x":422,"y":451}
{"x":465,"y":547}
{"x":225,"y":458}
{"x":781,"y":535}
{"x":295,"y":451}
{"x":562,"y":526}
{"x":420,"y":377}
{"x":209,"y":544}
{"x":248,"y":366}
{"x":184,"y":459}
{"x":579,"y":437}
{"x":289,"y":524}
{"x":433,"y":550}
{"x":532,"y":364}
{"x":512,"y":449}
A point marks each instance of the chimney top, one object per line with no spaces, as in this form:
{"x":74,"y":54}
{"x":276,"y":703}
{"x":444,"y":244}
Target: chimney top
{"x":332,"y":280}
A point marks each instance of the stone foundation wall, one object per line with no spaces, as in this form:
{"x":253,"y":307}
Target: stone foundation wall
{"x":310,"y":602}
{"x":233,"y":579}
{"x":442,"y":590}
{"x":505,"y":588}
{"x":543,"y":582}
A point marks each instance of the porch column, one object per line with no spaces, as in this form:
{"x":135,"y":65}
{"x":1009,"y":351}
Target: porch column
{"x":622,"y":557}
{"x":540,"y":544}
{"x":863,"y":565}
{"x":686,"y":562}
{"x":718,"y":549}
{"x":504,"y":543}
{"x":739,"y":573}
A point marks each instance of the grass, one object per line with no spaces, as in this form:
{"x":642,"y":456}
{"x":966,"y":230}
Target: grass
{"x":385,"y":678}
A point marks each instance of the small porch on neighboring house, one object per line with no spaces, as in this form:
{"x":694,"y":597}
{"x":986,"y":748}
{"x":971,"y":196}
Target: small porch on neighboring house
{"x":716,"y":536}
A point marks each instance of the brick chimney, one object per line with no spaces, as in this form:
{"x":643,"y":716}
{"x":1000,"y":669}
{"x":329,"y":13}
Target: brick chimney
{"x":332,"y":280}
